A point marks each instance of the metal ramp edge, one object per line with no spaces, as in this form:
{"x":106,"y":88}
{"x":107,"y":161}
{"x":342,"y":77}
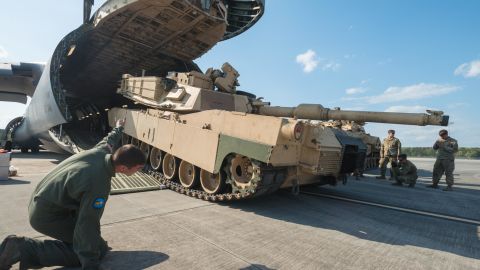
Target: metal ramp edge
{"x":138,"y":182}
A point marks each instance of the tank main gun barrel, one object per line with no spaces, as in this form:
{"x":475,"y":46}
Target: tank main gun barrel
{"x":318,"y":112}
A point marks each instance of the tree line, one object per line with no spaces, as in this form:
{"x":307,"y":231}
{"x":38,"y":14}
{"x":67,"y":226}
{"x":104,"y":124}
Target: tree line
{"x":463,"y":152}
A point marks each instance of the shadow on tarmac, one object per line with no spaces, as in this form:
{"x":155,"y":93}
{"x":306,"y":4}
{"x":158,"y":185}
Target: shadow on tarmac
{"x":11,"y":182}
{"x":129,"y":260}
{"x":256,"y":267}
{"x":40,"y":155}
{"x":373,"y":223}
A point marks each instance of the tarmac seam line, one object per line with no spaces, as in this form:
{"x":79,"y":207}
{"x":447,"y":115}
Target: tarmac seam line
{"x":214,"y":244}
{"x":138,"y":218}
{"x":154,"y":215}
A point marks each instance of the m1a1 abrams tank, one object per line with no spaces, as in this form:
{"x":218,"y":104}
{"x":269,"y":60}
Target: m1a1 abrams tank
{"x":352,"y":128}
{"x":204,"y":138}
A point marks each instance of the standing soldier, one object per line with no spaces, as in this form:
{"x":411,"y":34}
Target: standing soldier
{"x":405,"y":172}
{"x":391,"y":148}
{"x":446,"y":148}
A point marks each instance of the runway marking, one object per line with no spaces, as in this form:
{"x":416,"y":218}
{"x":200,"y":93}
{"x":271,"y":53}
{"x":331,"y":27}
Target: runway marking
{"x":401,"y":209}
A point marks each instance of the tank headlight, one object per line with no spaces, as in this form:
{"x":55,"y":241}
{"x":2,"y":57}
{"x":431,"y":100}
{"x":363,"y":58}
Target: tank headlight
{"x":298,"y":131}
{"x":292,"y":131}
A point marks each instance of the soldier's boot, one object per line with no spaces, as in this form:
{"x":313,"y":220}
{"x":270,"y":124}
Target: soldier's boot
{"x":392,"y":175}
{"x":10,"y":251}
{"x":432,"y":186}
{"x":448,"y":188}
{"x":411,"y":185}
{"x":397,"y":183}
{"x":381,"y":177}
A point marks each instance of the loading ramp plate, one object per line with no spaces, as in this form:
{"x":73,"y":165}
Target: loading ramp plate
{"x":138,"y":182}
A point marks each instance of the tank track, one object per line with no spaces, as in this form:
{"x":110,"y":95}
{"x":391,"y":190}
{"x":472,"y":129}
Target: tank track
{"x":271,"y":180}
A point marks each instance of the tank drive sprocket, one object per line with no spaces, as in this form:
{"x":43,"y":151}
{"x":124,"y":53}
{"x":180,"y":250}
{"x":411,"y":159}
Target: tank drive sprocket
{"x":243,"y":174}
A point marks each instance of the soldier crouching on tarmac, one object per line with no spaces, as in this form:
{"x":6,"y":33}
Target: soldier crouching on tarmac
{"x":404,"y":171}
{"x":391,"y":148}
{"x":68,"y":204}
{"x":446,"y":147}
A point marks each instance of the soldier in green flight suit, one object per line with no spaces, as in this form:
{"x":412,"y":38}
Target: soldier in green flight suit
{"x":405,"y":172}
{"x":68,"y":204}
{"x":446,"y":147}
{"x":391,"y":148}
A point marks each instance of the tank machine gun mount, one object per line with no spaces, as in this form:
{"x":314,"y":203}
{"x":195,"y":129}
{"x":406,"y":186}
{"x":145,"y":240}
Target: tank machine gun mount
{"x":209,"y":140}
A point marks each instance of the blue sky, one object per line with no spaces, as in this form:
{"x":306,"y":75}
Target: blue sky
{"x":365,"y":55}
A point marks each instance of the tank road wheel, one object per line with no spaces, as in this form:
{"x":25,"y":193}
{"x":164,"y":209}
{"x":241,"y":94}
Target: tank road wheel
{"x":243,"y":174}
{"x":125,"y":139}
{"x":188,"y":174}
{"x":156,"y":158}
{"x":212,"y":183}
{"x":170,"y":166}
{"x":145,"y":148}
{"x":135,"y":142}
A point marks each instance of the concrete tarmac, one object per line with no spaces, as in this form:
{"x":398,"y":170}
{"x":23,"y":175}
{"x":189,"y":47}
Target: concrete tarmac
{"x":166,"y":230}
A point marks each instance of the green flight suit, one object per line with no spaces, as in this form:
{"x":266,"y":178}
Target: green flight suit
{"x":389,"y":152}
{"x":406,"y":173}
{"x":67,"y":205}
{"x":445,"y":162}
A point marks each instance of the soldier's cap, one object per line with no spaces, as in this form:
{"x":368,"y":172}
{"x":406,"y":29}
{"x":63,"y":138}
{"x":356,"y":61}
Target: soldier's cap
{"x":443,"y":132}
{"x":391,"y":131}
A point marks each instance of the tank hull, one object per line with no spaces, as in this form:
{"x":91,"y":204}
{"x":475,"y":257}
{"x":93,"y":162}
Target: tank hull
{"x":221,"y":142}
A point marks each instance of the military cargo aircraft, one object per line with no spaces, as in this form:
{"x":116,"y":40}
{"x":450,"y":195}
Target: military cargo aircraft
{"x":72,"y":92}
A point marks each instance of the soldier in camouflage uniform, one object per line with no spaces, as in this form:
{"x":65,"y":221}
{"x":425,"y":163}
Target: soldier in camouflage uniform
{"x":68,"y":204}
{"x":391,"y":148}
{"x":405,"y":172}
{"x":446,"y":148}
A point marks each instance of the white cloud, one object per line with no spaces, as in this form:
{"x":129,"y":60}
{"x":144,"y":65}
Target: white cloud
{"x":308,"y":60}
{"x":411,"y":92}
{"x":333,"y":66}
{"x":355,"y":90}
{"x":408,"y":109}
{"x":3,"y":52}
{"x":469,"y":70}
{"x":364,"y":81}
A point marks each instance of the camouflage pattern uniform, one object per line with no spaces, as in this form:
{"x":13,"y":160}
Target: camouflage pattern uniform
{"x":67,"y":205}
{"x":445,"y":162}
{"x":389,"y":152}
{"x":406,"y":173}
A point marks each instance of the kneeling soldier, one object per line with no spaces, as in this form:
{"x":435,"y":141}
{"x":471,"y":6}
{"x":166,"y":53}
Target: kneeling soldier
{"x":404,"y":171}
{"x":68,"y":204}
